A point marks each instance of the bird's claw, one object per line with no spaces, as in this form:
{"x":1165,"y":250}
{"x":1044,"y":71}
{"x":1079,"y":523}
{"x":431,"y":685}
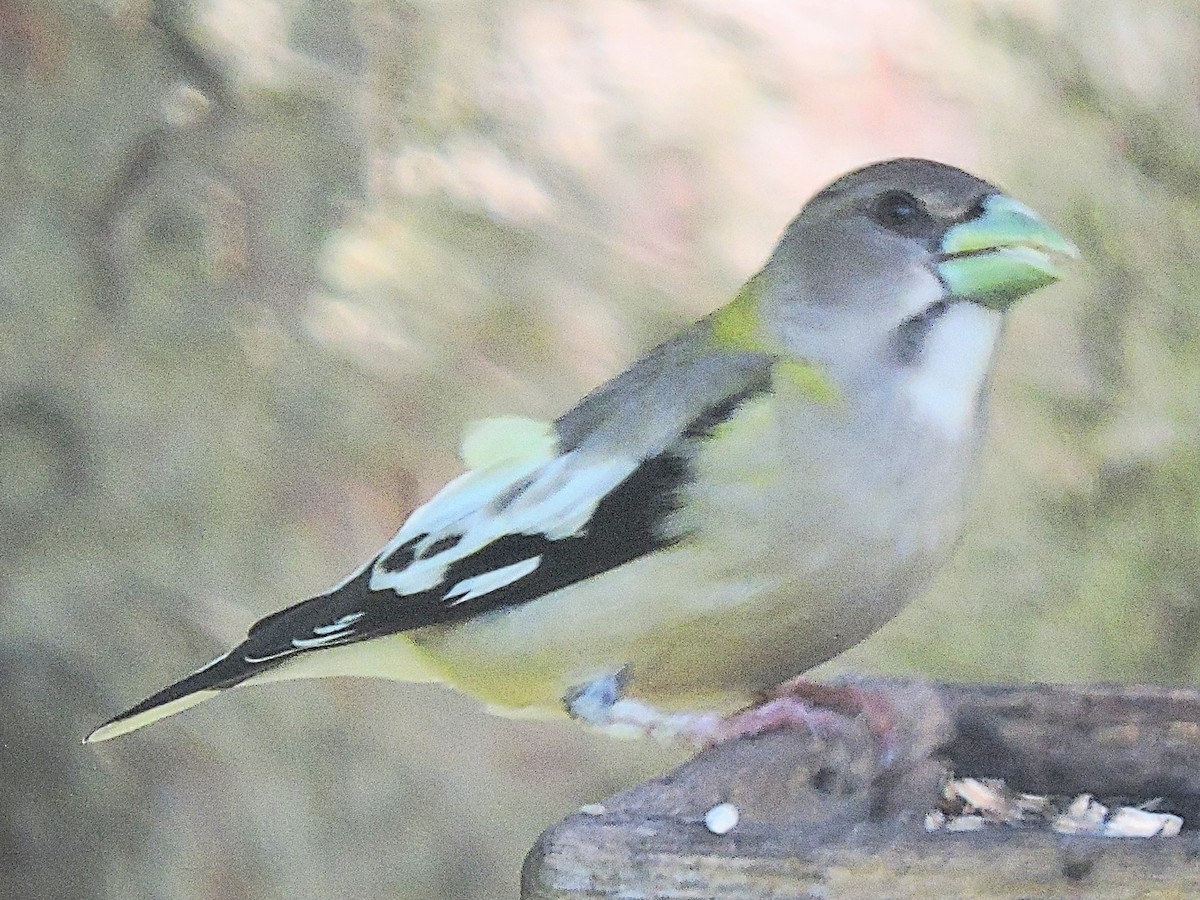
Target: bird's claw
{"x":823,"y":709}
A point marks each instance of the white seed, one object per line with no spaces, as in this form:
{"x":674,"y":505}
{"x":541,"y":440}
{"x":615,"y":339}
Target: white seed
{"x":1085,"y":815}
{"x":965,"y":823}
{"x":934,"y":819}
{"x":1131,"y":822}
{"x":981,"y":796}
{"x":1172,"y":826}
{"x":593,"y":809}
{"x":722,"y":818}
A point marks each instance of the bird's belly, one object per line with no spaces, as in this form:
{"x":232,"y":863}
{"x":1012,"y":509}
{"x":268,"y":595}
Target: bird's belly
{"x":813,"y":592}
{"x":690,"y":627}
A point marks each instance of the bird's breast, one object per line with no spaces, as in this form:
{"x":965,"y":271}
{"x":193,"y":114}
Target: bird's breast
{"x":841,"y":491}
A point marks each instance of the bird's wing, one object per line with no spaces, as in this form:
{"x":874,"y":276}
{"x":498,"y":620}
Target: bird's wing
{"x":544,"y":505}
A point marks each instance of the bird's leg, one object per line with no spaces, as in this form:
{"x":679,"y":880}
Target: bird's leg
{"x":601,"y":704}
{"x":821,"y":708}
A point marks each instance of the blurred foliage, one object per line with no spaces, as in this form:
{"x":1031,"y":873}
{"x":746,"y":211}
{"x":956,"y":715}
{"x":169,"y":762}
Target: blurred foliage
{"x":261,"y":261}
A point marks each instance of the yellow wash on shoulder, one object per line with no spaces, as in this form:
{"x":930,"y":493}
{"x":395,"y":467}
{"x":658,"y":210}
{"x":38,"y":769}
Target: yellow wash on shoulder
{"x":736,"y":325}
{"x":806,"y":379}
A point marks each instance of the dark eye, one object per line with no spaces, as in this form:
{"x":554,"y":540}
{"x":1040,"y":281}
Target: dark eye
{"x":901,"y":212}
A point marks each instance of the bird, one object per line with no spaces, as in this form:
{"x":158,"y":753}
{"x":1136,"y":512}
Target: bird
{"x":746,"y":501}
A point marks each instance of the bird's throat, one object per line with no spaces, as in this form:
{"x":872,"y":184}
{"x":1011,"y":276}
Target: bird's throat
{"x":945,"y":384}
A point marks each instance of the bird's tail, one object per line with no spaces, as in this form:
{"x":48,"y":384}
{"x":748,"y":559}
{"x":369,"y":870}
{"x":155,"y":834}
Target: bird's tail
{"x":323,"y":637}
{"x":183,"y":694}
{"x":393,"y":656}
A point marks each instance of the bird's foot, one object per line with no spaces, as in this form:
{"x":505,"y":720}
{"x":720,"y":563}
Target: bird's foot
{"x":601,"y":705}
{"x":823,"y":709}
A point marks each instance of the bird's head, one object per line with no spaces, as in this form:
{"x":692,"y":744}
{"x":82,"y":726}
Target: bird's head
{"x":903,"y":259}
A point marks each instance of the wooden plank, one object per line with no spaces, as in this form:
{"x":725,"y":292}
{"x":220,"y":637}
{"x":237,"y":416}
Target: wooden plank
{"x":819,"y":818}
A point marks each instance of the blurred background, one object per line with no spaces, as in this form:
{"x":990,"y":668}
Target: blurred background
{"x":260,"y":261}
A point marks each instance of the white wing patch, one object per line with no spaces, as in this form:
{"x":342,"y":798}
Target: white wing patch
{"x":478,"y":585}
{"x":450,"y":514}
{"x":342,"y":624}
{"x":313,"y":643}
{"x":534,"y":492}
{"x":324,"y":635}
{"x":559,"y":502}
{"x":255,"y":660}
{"x":329,"y":634}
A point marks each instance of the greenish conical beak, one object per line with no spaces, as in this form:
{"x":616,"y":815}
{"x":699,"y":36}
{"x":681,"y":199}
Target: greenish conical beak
{"x":1000,"y":256}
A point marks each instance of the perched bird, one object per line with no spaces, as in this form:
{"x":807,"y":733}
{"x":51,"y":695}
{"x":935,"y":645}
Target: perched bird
{"x":746,"y":501}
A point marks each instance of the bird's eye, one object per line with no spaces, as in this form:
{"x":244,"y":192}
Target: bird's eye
{"x":901,"y":212}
